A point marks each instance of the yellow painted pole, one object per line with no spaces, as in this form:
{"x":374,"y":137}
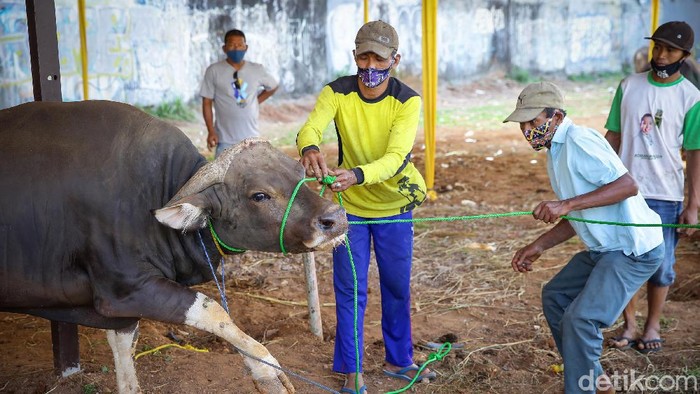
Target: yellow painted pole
{"x":655,"y":9}
{"x":366,"y":3}
{"x":83,"y":46}
{"x":430,"y":80}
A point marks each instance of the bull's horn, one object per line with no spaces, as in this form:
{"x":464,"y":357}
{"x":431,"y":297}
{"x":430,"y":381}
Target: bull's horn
{"x":214,"y":172}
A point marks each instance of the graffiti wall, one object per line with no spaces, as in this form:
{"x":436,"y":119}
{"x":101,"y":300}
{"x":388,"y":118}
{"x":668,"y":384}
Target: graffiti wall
{"x":152,"y":51}
{"x":15,"y":71}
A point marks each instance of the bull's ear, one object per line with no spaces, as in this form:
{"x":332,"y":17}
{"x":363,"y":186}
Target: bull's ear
{"x":188,"y":213}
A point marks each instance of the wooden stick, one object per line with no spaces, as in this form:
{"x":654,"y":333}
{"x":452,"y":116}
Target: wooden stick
{"x":312,"y":295}
{"x":278,"y":301}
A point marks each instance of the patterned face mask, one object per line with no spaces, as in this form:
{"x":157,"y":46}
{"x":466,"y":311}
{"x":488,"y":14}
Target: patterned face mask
{"x":540,"y":136}
{"x":372,"y":77}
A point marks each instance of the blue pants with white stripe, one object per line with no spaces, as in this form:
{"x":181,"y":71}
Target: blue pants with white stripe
{"x":393,"y":248}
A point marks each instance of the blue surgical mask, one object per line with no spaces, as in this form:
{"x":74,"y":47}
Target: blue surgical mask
{"x":372,"y":77}
{"x":236,"y":56}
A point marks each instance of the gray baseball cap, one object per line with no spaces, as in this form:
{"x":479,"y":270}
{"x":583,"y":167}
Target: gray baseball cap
{"x":378,"y":37}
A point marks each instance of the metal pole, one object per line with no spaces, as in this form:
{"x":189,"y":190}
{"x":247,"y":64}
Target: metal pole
{"x":46,"y":77}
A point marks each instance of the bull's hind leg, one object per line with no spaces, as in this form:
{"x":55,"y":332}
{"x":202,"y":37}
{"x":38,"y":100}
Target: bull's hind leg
{"x":123,"y":343}
{"x":206,"y":314}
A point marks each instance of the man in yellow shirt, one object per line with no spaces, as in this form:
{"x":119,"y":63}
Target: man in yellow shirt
{"x":376,"y":119}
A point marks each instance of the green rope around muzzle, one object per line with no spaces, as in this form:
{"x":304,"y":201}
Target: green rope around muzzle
{"x":329,"y":179}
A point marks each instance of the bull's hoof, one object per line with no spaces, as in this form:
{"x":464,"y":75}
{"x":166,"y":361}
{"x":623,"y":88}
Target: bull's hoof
{"x":281,"y":385}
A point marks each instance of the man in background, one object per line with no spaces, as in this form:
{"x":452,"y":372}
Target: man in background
{"x":673,"y":103}
{"x":235,"y":88}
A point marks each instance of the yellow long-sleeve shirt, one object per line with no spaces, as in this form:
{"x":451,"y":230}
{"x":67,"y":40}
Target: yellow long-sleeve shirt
{"x":375,"y":139}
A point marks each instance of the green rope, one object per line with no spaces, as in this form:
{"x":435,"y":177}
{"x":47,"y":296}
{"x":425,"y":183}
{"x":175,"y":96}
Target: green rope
{"x":519,"y":213}
{"x":327,"y":180}
{"x":442,"y":219}
{"x":216,"y":237}
{"x":674,"y":225}
{"x":444,"y":349}
{"x":436,"y":356}
{"x":354,"y":310}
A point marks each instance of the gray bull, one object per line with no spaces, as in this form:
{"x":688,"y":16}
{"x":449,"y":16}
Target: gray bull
{"x":100,"y":209}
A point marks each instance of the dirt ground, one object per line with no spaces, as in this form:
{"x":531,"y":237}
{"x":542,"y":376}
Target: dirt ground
{"x":464,"y":290}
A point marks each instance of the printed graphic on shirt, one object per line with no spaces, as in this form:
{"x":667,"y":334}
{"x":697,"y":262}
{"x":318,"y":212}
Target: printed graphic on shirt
{"x":658,"y":117}
{"x":412,"y":192}
{"x":239,"y":90}
{"x":646,"y":128}
{"x":649,"y":132}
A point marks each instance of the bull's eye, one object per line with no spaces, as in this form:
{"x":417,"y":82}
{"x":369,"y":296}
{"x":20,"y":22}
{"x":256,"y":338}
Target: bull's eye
{"x":257,"y":197}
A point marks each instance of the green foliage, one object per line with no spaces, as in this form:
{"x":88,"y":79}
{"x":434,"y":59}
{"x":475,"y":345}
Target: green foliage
{"x":693,"y":371}
{"x":104,"y":369}
{"x":667,"y":322}
{"x":90,"y":388}
{"x":627,"y":69}
{"x":289,"y":137}
{"x":520,"y":75}
{"x":597,"y":77}
{"x":174,"y":110}
{"x":347,"y":70}
{"x":490,"y":115}
{"x":422,"y":226}
{"x":286,"y":138}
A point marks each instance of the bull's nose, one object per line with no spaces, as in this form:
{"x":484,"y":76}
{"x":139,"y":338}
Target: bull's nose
{"x":333,"y":220}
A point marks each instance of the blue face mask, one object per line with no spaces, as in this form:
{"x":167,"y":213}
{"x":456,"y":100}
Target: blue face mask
{"x":236,"y":56}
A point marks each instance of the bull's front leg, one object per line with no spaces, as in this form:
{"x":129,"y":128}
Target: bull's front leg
{"x":206,"y":314}
{"x":123,"y":343}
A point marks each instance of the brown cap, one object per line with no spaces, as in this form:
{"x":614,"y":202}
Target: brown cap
{"x":677,"y":34}
{"x":534,"y":99}
{"x":378,"y":37}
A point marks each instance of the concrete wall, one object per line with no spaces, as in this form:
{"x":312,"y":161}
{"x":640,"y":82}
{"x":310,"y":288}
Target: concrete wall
{"x":152,"y":51}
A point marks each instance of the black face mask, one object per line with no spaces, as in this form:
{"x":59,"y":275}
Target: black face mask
{"x":667,"y":70}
